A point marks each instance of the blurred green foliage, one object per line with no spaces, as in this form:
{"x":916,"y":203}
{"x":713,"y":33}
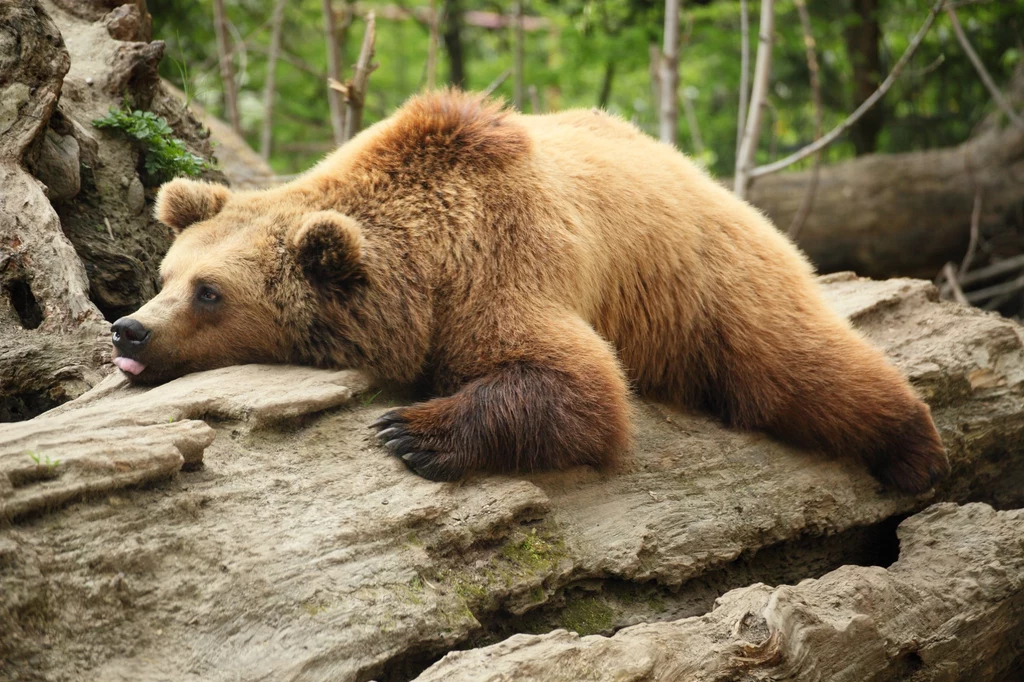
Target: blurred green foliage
{"x":936,"y":102}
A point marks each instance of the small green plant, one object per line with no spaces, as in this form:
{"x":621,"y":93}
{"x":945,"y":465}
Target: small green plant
{"x":165,"y":155}
{"x":368,"y":400}
{"x":182,"y":66}
{"x":42,"y":461}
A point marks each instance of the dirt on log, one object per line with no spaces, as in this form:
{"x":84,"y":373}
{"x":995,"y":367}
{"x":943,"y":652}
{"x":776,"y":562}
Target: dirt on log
{"x":293,"y":547}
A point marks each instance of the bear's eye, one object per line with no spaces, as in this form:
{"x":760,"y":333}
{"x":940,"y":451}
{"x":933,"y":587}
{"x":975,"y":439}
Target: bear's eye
{"x":207,"y":294}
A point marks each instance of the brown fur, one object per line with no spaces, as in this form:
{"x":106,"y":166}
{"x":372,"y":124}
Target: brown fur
{"x":526,"y":268}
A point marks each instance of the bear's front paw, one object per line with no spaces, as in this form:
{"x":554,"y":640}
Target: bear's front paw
{"x":400,"y":438}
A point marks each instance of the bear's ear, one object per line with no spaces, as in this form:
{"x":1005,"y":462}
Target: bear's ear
{"x":181,"y":202}
{"x":328,"y":247}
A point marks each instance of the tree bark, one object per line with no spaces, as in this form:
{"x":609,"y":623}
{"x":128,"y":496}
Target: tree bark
{"x":862,"y":43}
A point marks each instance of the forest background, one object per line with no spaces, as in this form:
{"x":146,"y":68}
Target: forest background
{"x":602,"y":53}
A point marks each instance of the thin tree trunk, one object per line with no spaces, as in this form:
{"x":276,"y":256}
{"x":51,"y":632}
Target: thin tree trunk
{"x":693,"y":124}
{"x":812,"y":68}
{"x":266,"y":134}
{"x":227,"y":69}
{"x":335,"y":41}
{"x":453,"y":43}
{"x":519,"y":91}
{"x":863,"y":39}
{"x":355,"y":91}
{"x":668,"y":117}
{"x":432,"y":47}
{"x":654,"y":71}
{"x":758,"y":99}
{"x":741,"y":122}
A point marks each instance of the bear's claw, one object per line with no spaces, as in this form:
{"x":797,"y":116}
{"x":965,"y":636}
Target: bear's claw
{"x":388,"y":433}
{"x":402,"y":445}
{"x":387,"y":419}
{"x":430,"y":465}
{"x":393,"y":432}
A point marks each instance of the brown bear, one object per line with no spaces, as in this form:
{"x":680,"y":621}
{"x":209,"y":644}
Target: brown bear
{"x":528,"y":271}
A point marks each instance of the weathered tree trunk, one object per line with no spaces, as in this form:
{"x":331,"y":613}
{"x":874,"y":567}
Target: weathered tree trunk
{"x":50,"y":332}
{"x":900,"y":214}
{"x":77,"y":240}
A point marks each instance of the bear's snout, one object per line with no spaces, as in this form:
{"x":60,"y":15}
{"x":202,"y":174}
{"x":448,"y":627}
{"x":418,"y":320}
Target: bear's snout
{"x":129,"y":337}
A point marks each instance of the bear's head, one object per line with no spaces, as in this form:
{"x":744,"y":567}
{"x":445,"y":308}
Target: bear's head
{"x":247,"y":279}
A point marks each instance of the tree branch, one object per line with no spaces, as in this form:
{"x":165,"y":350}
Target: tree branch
{"x":950,"y":272}
{"x":997,"y":95}
{"x":496,"y":83}
{"x":758,"y":98}
{"x":834,"y":134}
{"x":972,"y":246}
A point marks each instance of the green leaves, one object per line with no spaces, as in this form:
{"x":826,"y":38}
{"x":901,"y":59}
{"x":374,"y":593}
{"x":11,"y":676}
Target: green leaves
{"x":165,"y":156}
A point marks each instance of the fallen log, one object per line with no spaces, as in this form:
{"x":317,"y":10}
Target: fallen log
{"x":300,"y":549}
{"x":885,"y":215}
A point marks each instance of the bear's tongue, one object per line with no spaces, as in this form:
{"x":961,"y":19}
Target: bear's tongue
{"x":129,"y":365}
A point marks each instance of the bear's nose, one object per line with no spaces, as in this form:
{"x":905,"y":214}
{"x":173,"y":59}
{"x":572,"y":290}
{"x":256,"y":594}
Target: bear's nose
{"x":129,"y":335}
